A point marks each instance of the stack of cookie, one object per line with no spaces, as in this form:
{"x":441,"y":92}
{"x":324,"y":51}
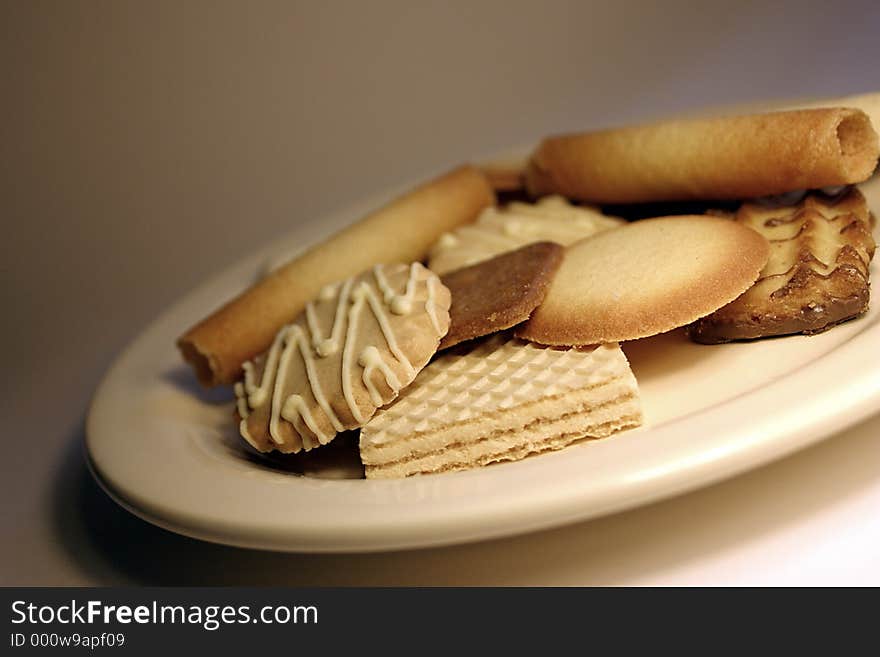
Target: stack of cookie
{"x":507,"y":343}
{"x":792,"y":170}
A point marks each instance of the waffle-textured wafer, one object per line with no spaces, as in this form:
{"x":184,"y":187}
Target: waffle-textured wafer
{"x":498,"y":293}
{"x":351,"y":351}
{"x":498,"y":230}
{"x":817,"y":274}
{"x":501,"y":400}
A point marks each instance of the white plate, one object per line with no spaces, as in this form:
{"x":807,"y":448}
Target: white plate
{"x":169,"y":452}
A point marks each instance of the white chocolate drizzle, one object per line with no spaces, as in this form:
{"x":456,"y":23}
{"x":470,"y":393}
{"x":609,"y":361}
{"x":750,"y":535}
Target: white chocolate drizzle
{"x":295,"y":409}
{"x":431,"y":305}
{"x":257,"y":394}
{"x":400,"y":304}
{"x":297,"y":340}
{"x":371,"y":360}
{"x":243,"y":413}
{"x":330,"y":345}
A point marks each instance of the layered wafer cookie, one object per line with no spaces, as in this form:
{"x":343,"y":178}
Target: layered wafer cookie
{"x":499,"y":230}
{"x":500,"y":401}
{"x":817,"y":274}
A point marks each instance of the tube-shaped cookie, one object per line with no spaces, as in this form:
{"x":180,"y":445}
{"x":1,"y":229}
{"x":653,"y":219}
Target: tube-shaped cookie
{"x":402,"y":231}
{"x":869,"y":103}
{"x":721,"y":158}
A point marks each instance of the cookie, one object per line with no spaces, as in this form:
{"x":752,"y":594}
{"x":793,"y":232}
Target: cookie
{"x":817,"y":274}
{"x":645,"y":278}
{"x":499,"y":293}
{"x":731,"y":157}
{"x":501,"y":400}
{"x":869,"y":103}
{"x":498,"y":230}
{"x":505,"y":176}
{"x":351,"y":351}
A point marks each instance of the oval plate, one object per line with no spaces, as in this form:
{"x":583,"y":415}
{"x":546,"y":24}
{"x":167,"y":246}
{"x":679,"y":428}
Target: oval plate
{"x":169,"y":452}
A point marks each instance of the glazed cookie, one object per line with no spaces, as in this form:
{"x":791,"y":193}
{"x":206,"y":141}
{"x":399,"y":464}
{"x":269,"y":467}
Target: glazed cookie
{"x":499,"y":293}
{"x":498,"y":230}
{"x":645,"y":278}
{"x":817,"y":274}
{"x":351,"y":351}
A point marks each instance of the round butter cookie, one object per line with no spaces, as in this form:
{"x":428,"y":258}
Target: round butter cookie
{"x":351,"y":351}
{"x":645,"y":278}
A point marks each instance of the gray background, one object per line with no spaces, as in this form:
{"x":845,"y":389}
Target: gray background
{"x":144,"y":146}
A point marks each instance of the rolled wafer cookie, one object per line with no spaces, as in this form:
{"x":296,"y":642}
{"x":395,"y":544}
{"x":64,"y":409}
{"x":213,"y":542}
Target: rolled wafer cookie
{"x":816,"y":277}
{"x":401,"y":231}
{"x":505,"y":176}
{"x":500,"y":401}
{"x":352,"y":350}
{"x":718,"y":158}
{"x":869,"y":103}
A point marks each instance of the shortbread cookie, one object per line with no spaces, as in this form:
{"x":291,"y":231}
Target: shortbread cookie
{"x":500,"y":401}
{"x":499,"y":293}
{"x":816,"y":277}
{"x":731,"y":157}
{"x":498,"y":230}
{"x":351,"y":351}
{"x":401,"y":231}
{"x":645,"y":278}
